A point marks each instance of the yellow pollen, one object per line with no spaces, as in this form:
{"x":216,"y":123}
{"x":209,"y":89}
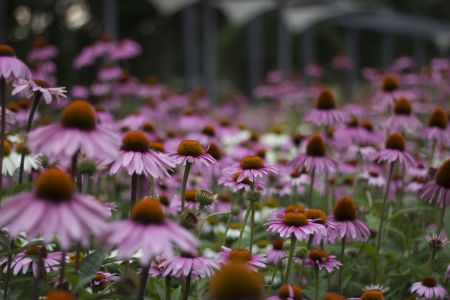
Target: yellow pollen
{"x":295,"y":219}
{"x":326,"y":100}
{"x":316,"y":146}
{"x":13,"y":106}
{"x":6,"y":50}
{"x":6,"y":148}
{"x":402,"y":107}
{"x":41,"y":83}
{"x":438,"y":119}
{"x":395,"y":141}
{"x":59,"y":295}
{"x":156,"y":146}
{"x":135,"y":141}
{"x":314,"y":213}
{"x":252,"y":162}
{"x":78,"y":114}
{"x":147,"y":211}
{"x":190,"y":148}
{"x":295,"y":208}
{"x":443,"y":175}
{"x":372,"y":295}
{"x":318,"y":255}
{"x":283,"y":293}
{"x":345,"y":209}
{"x":239,"y":255}
{"x":390,"y":83}
{"x":278,"y":244}
{"x":54,"y":185}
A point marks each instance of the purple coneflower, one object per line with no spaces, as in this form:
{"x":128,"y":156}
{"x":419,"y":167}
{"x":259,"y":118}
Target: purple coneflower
{"x":370,"y":295}
{"x":110,"y":72}
{"x":155,"y":267}
{"x":288,"y":292}
{"x":12,"y":68}
{"x":325,"y":112}
{"x":250,"y":167}
{"x":321,"y":259}
{"x":437,"y":130}
{"x":101,"y":277}
{"x":189,"y":151}
{"x":42,"y":50}
{"x":403,"y":120}
{"x":23,"y":261}
{"x":242,"y":256}
{"x":438,"y":188}
{"x":53,"y":208}
{"x":149,"y":230}
{"x":429,"y":287}
{"x":277,"y":252}
{"x":395,"y":152}
{"x":295,"y":223}
{"x":181,"y":266}
{"x":238,"y":185}
{"x":373,"y":179}
{"x":31,"y":87}
{"x":77,"y":131}
{"x":390,"y":93}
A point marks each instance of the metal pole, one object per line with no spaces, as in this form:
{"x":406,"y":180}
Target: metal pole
{"x":209,"y":49}
{"x":387,"y":50}
{"x":418,"y":51}
{"x":3,"y":21}
{"x":308,"y":48}
{"x":352,"y":48}
{"x":283,"y":41}
{"x":110,"y":18}
{"x":188,"y":23}
{"x":255,"y":51}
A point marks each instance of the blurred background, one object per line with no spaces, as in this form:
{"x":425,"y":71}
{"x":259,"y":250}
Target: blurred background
{"x":228,"y":45}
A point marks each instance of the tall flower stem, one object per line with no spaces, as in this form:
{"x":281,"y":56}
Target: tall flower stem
{"x":300,"y":272}
{"x":8,"y":268}
{"x":143,"y":285}
{"x":134,"y":181}
{"x":252,"y":225}
{"x":230,"y":218}
{"x":316,"y":269}
{"x":37,"y":98}
{"x":184,"y":183}
{"x":311,"y":186}
{"x":433,"y":148}
{"x":152,"y":185}
{"x":431,"y":262}
{"x":168,"y":287}
{"x":290,"y":258}
{"x":342,"y":261}
{"x":383,"y":206}
{"x":275,"y":272}
{"x":2,"y":135}
{"x":327,"y":193}
{"x":187,"y":287}
{"x":62,"y":270}
{"x":441,"y":218}
{"x":247,"y":213}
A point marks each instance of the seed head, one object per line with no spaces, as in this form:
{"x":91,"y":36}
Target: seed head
{"x":205,"y":197}
{"x":301,"y":253}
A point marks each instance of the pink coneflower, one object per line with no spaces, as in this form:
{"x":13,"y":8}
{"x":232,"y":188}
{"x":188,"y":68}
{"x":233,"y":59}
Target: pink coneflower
{"x":295,"y":223}
{"x":125,"y":49}
{"x":390,"y":93}
{"x":242,"y":256}
{"x":136,"y":156}
{"x":373,"y":179}
{"x":22,"y":261}
{"x":344,"y":218}
{"x":373,"y":136}
{"x":403,"y":120}
{"x":277,"y":252}
{"x":428,"y":287}
{"x":79,"y":91}
{"x":320,"y":217}
{"x":395,"y":152}
{"x":155,"y":267}
{"x":53,"y":208}
{"x":76,"y":132}
{"x":353,"y":133}
{"x":181,"y":266}
{"x":250,"y":167}
{"x":325,"y":112}
{"x":238,"y":185}
{"x":437,"y":128}
{"x":288,"y":292}
{"x":110,"y":72}
{"x":101,"y":277}
{"x":370,"y":295}
{"x":100,"y":89}
{"x":189,"y":151}
{"x":321,"y":259}
{"x":315,"y":158}
{"x":42,"y":50}
{"x":439,"y":188}
{"x":31,"y":87}
{"x":149,"y":230}
{"x":12,"y":68}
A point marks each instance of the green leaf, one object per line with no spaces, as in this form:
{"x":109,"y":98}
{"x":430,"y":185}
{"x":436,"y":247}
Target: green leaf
{"x":176,"y":294}
{"x":160,"y":290}
{"x":21,"y":187}
{"x":92,"y":262}
{"x":410,"y":209}
{"x":5,"y":241}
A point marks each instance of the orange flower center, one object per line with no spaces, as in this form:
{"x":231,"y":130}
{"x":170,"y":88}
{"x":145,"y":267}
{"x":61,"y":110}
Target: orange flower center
{"x":345,"y":209}
{"x":326,"y":100}
{"x":367,"y":125}
{"x":156,"y":146}
{"x":318,"y":255}
{"x":190,"y":195}
{"x":316,"y":146}
{"x":331,"y":296}
{"x":395,"y":141}
{"x":79,"y":114}
{"x":59,"y":295}
{"x":209,"y":130}
{"x":147,"y":211}
{"x":429,"y":282}
{"x":54,"y":185}
{"x":295,"y":208}
{"x":372,"y":295}
{"x":295,"y":219}
{"x":390,"y":84}
{"x":99,"y":276}
{"x":278,"y":244}
{"x":402,"y":107}
{"x":214,"y":151}
{"x":239,"y":255}
{"x":314,"y":213}
{"x":6,"y":50}
{"x":438,"y":119}
{"x":252,"y":162}
{"x":41,"y":83}
{"x":13,"y":106}
{"x":443,"y":174}
{"x":148,"y":127}
{"x":236,"y":176}
{"x":6,"y":148}
{"x":190,"y":148}
{"x":283,"y":293}
{"x":135,"y":141}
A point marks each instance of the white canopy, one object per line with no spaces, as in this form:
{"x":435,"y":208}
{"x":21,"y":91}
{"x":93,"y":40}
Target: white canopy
{"x":170,"y":7}
{"x":239,"y":13}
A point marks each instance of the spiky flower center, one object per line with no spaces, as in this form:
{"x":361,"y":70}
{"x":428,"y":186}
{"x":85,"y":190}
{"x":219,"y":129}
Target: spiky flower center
{"x":236,"y":176}
{"x":239,"y":255}
{"x":54,"y":185}
{"x":6,"y":148}
{"x":79,"y":114}
{"x":99,"y":277}
{"x":318,"y":255}
{"x":164,"y":200}
{"x":190,"y":148}
{"x":345,"y":209}
{"x":209,"y":130}
{"x":367,"y":125}
{"x":316,"y":146}
{"x":429,"y":282}
{"x":190,"y":195}
{"x":59,"y":295}
{"x":438,"y":119}
{"x":252,"y":162}
{"x":234,"y":281}
{"x":148,"y":127}
{"x":402,"y":107}
{"x":214,"y":151}
{"x":295,"y":219}
{"x":372,"y":295}
{"x":331,"y":296}
{"x":147,"y":211}
{"x":156,"y":146}
{"x":283,"y":293}
{"x":6,"y":50}
{"x":395,"y":141}
{"x":41,"y":83}
{"x":314,"y":213}
{"x":390,"y":83}
{"x":294,"y":208}
{"x":135,"y":141}
{"x":37,"y":251}
{"x":278,"y":244}
{"x":13,"y":106}
{"x":326,"y":100}
{"x":443,"y":175}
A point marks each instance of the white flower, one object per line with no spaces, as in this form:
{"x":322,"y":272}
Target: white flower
{"x":30,"y":87}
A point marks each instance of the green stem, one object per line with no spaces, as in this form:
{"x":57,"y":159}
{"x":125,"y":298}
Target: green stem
{"x":2,"y":140}
{"x":433,"y":148}
{"x":290,"y":258}
{"x":209,"y":216}
{"x":441,"y":218}
{"x":313,"y":173}
{"x":294,"y":194}
{"x":300,"y":273}
{"x":152,"y":186}
{"x":188,"y":286}
{"x":342,"y":261}
{"x":327,"y":192}
{"x":247,"y":213}
{"x":252,"y":225}
{"x":62,"y":270}
{"x":275,"y":272}
{"x":184,"y":183}
{"x":143,"y":285}
{"x":168,"y":287}
{"x":431,"y":262}
{"x":317,"y":282}
{"x":134,"y":179}
{"x":383,"y":206}
{"x":230,"y":218}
